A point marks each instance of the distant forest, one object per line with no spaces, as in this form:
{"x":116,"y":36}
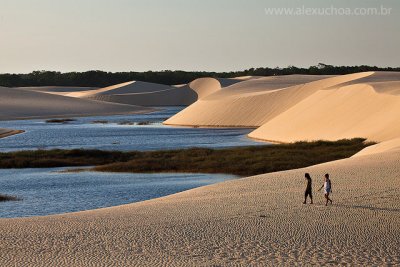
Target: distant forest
{"x":98,"y":78}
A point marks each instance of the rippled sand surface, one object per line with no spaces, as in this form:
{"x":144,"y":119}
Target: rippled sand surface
{"x":253,"y":221}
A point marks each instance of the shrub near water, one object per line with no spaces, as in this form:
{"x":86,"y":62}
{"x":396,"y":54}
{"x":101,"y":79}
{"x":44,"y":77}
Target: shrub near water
{"x":60,"y":120}
{"x":60,"y":158}
{"x":4,"y":198}
{"x":241,"y":161}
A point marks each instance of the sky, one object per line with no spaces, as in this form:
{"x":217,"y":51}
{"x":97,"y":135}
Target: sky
{"x":194,"y":35}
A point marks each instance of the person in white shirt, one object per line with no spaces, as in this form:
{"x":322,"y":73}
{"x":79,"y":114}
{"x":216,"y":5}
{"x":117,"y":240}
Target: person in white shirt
{"x":327,"y":186}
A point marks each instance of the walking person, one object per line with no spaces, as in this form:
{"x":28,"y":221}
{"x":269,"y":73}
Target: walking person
{"x":308,"y":191}
{"x":327,"y":189}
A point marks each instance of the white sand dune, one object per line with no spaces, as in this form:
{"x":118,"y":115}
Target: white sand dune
{"x":252,"y":103}
{"x":256,"y":221}
{"x":205,"y":87}
{"x":24,"y":104}
{"x":149,"y":94}
{"x":300,"y":107}
{"x":366,"y":109}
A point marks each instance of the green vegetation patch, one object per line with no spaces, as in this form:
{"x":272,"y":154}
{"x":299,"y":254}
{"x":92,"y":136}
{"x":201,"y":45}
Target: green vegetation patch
{"x":242,"y":161}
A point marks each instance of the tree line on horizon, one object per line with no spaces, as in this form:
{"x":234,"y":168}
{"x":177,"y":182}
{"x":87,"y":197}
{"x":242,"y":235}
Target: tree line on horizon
{"x":97,"y":78}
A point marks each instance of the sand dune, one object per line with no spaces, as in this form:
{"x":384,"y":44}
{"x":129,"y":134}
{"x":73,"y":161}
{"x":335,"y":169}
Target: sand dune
{"x":369,"y":110}
{"x":123,"y":88}
{"x":252,"y":103}
{"x":255,"y":221}
{"x":23,"y":104}
{"x":149,"y":94}
{"x":300,"y":107}
{"x":170,"y":97}
{"x":205,"y":86}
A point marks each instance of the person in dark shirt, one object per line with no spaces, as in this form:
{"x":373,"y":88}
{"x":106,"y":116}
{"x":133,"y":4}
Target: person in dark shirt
{"x":308,"y":191}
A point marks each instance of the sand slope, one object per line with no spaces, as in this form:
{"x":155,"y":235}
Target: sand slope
{"x":254,"y":102}
{"x":256,"y":221}
{"x":361,"y":109}
{"x":22,"y":104}
{"x":150,"y":94}
{"x":386,"y":146}
{"x":122,"y":88}
{"x":57,"y":90}
{"x":225,"y":82}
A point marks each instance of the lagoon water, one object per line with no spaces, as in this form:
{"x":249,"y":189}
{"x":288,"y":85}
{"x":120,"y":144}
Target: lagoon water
{"x":83,"y":133}
{"x":49,"y":191}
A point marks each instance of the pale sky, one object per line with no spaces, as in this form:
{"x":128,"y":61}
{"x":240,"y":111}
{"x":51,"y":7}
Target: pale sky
{"x":210,"y":35}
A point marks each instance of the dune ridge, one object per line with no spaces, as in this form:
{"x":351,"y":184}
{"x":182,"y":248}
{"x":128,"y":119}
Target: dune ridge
{"x":150,"y":94}
{"x":225,"y":82}
{"x":56,"y":90}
